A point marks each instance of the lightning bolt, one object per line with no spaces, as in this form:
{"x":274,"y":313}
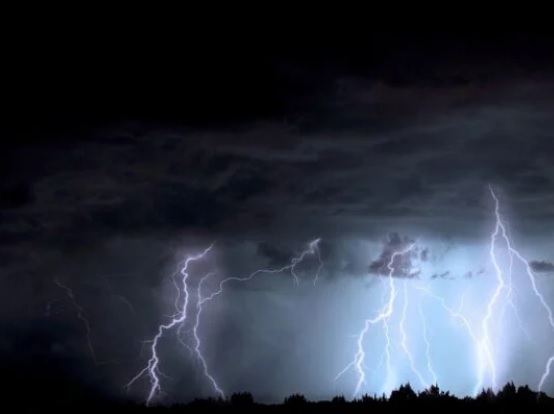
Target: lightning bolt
{"x":485,"y":345}
{"x":427,"y":344}
{"x":313,"y":249}
{"x":501,"y":228}
{"x":483,"y":342}
{"x":510,"y":294}
{"x":152,"y":369}
{"x":404,"y":340}
{"x":457,"y":315}
{"x":383,"y":316}
{"x":198,"y":343}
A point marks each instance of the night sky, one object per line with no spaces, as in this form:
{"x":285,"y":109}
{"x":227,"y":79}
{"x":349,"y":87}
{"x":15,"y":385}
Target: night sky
{"x":124,"y":155}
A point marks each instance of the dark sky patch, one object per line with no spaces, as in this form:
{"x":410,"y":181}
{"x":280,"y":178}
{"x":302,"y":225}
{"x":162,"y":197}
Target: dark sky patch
{"x":542,"y":266}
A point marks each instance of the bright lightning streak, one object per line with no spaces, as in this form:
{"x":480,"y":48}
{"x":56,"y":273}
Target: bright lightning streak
{"x":383,"y":316}
{"x":313,"y":249}
{"x":404,"y":341}
{"x":198,"y":343}
{"x":532,"y":279}
{"x":427,"y":344}
{"x":152,"y":369}
{"x":456,"y":314}
{"x":485,"y":345}
{"x":510,"y":293}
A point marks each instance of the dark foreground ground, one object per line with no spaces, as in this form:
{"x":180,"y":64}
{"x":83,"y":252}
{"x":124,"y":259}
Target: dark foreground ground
{"x":510,"y":397}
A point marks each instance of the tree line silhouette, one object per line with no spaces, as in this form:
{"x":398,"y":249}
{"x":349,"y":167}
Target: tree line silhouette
{"x":508,"y":397}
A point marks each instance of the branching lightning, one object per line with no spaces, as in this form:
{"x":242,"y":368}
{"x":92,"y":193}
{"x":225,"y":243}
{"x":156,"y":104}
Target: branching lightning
{"x":483,"y":335}
{"x":152,"y":370}
{"x":383,"y":316}
{"x":531,"y":277}
{"x":481,"y":327}
{"x":427,"y":344}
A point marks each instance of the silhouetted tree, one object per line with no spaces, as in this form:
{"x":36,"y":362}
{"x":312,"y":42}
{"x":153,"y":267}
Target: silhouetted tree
{"x":295,"y":399}
{"x":525,"y":394}
{"x":403,"y":394}
{"x":402,"y":398}
{"x":507,"y":394}
{"x":431,"y":393}
{"x":339,"y":399}
{"x":205,"y":403}
{"x":367,"y":399}
{"x":486,"y":395}
{"x":242,"y":398}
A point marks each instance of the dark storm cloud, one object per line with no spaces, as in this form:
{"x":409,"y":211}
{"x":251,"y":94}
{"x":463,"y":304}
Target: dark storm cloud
{"x":424,"y":162}
{"x":276,"y":255}
{"x":430,"y":160}
{"x":542,"y":266}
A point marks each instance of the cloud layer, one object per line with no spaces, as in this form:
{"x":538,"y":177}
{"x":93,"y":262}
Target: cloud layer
{"x":265,"y":158}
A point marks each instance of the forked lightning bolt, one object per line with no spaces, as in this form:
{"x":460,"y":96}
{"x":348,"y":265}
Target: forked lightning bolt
{"x":152,"y":370}
{"x":454,"y":314}
{"x":482,"y":335}
{"x":383,"y":316}
{"x":427,"y":344}
{"x":513,"y":251}
{"x":313,"y":249}
{"x":484,"y":342}
{"x":198,"y":342}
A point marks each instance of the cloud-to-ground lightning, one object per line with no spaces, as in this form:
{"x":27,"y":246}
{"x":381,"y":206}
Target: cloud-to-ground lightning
{"x":430,"y":368}
{"x":198,"y":342}
{"x":455,"y":314}
{"x":513,"y":251}
{"x":313,"y":249}
{"x":481,"y":333}
{"x":404,"y":335}
{"x":152,"y":370}
{"x":383,"y":316}
{"x":485,"y":344}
